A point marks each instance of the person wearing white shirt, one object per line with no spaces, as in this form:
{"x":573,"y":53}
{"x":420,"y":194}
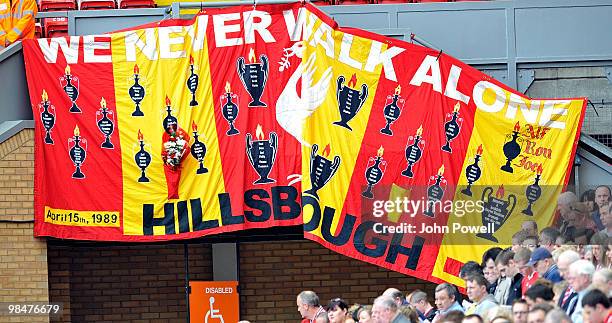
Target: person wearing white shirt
{"x":579,"y":278}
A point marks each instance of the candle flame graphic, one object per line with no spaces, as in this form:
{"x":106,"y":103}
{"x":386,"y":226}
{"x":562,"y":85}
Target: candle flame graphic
{"x":190,"y":60}
{"x":228,"y":88}
{"x":140,"y":136}
{"x":441,"y":170}
{"x":76,"y":131}
{"x":419,"y":131}
{"x":517,"y":127}
{"x":353,"y":81}
{"x":103,"y":103}
{"x":167,"y":100}
{"x":194,"y":126}
{"x":540,"y":170}
{"x":326,"y":151}
{"x":136,"y":69}
{"x":398,"y":90}
{"x":457,"y":106}
{"x":45,"y":97}
{"x":500,"y":192}
{"x":67,"y":70}
{"x":259,"y":132}
{"x":252,"y":57}
{"x":380,"y":151}
{"x":479,"y":150}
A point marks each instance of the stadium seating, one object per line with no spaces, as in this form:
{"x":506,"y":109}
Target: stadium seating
{"x":132,"y":4}
{"x":55,"y":27}
{"x":57,"y":5}
{"x":96,"y":4}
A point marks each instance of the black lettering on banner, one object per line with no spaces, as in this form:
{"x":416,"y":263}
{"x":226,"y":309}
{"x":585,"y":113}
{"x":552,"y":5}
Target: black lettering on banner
{"x":227,"y":218}
{"x":149,"y":221}
{"x":183,"y":216}
{"x":345,"y":232}
{"x":290,"y":201}
{"x":197,"y":217}
{"x":257,"y":204}
{"x":359,"y":237}
{"x":413,"y":253}
{"x":316,"y":213}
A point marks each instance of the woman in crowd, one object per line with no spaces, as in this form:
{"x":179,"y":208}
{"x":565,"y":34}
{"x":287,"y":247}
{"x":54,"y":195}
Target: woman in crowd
{"x":364,"y":314}
{"x":337,"y":310}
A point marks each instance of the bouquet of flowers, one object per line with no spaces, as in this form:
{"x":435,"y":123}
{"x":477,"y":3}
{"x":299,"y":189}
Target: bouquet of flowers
{"x":175,"y":147}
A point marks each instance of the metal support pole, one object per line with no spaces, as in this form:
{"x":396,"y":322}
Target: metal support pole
{"x":214,"y":4}
{"x":187,"y":290}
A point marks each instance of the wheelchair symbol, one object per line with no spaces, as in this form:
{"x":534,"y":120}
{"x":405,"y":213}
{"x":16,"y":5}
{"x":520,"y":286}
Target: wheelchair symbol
{"x":213,"y":313}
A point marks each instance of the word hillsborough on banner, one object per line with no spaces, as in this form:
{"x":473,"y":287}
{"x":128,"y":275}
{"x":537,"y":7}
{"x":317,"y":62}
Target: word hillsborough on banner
{"x":246,"y":117}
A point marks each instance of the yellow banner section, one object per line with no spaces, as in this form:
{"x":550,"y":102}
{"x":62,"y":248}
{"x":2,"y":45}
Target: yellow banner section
{"x":161,"y":91}
{"x":82,"y":218}
{"x":522,"y":143}
{"x":337,"y":129}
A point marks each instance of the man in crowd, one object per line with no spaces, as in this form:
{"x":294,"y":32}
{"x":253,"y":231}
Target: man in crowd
{"x":602,"y":280}
{"x":472,"y":318}
{"x":385,"y":310}
{"x":446,"y":300}
{"x":548,"y":237}
{"x":470,"y":268}
{"x":521,"y":260}
{"x":308,"y":306}
{"x":566,"y":258}
{"x":520,"y":309}
{"x":596,"y":307}
{"x":510,"y":289}
{"x":477,"y":290}
{"x":606,"y":219}
{"x":419,"y":300}
{"x":531,"y":227}
{"x":602,"y":199}
{"x":517,"y":240}
{"x":541,"y":260}
{"x":397,"y":296}
{"x":580,"y":274}
{"x":538,"y":312}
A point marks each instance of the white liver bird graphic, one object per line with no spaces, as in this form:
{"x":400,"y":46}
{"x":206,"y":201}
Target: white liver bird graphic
{"x":292,"y":110}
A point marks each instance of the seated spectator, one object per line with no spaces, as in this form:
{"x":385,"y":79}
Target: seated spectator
{"x":568,"y":294}
{"x":470,"y":268}
{"x":424,"y":309}
{"x":337,"y":310}
{"x":538,"y":312}
{"x":397,"y":296}
{"x":580,"y":275}
{"x":548,"y":237}
{"x":606,"y":219}
{"x":472,"y":318}
{"x":531,"y":227}
{"x":596,"y":307}
{"x":602,"y":199}
{"x":509,"y":284}
{"x":557,"y":316}
{"x":489,"y":269}
{"x":477,"y":291}
{"x":385,"y":310}
{"x":531,"y":242}
{"x":599,"y":246}
{"x":517,"y":240}
{"x":446,"y":301}
{"x":520,"y":309}
{"x":521,"y":260}
{"x":602,"y":280}
{"x":452,"y":317}
{"x":541,"y":260}
{"x":364,"y":314}
{"x":539,"y":293}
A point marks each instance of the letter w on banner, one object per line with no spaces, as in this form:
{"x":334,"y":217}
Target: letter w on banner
{"x":242,"y":118}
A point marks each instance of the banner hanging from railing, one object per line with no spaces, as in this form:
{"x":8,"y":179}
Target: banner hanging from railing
{"x":252,"y":117}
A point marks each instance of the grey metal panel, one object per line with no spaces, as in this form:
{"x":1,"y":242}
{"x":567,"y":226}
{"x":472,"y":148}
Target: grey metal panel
{"x":95,"y":22}
{"x":225,"y":261}
{"x":14,"y":98}
{"x":363,"y":20}
{"x":462,"y":34}
{"x":564,"y":33}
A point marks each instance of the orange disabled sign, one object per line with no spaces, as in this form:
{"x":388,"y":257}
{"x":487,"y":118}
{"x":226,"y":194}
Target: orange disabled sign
{"x":213,"y":302}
